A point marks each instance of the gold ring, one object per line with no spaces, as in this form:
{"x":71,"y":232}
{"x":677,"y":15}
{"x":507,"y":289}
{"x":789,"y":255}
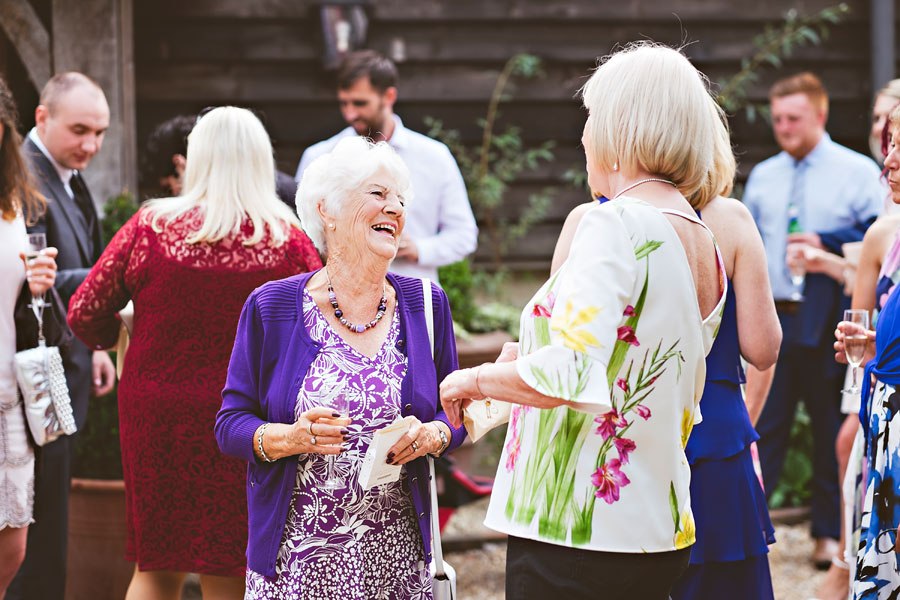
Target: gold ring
{"x":309,"y":428}
{"x":415,"y":446}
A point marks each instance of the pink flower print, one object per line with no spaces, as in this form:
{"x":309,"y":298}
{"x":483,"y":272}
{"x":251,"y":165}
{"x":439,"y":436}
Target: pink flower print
{"x":608,"y":422}
{"x":625,"y":447}
{"x":608,"y":479}
{"x":540,"y":311}
{"x":513,"y":446}
{"x":512,"y":452}
{"x":629,"y":311}
{"x":622,"y":384}
{"x":626,"y":334}
{"x":551,"y":300}
{"x":642,"y":411}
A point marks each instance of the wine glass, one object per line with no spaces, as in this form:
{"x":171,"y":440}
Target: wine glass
{"x":340,"y":402}
{"x":796,"y":262}
{"x":856,"y":322}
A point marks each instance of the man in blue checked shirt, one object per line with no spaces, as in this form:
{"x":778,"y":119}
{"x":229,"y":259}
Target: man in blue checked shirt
{"x":820,"y":193}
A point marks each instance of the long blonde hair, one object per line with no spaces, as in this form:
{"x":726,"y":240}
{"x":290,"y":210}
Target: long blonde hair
{"x":230,"y":176}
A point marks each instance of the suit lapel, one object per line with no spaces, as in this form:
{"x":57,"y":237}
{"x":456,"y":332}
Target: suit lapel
{"x":47,"y":173}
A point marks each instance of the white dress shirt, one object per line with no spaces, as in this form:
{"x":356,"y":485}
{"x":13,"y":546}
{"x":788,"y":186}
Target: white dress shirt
{"x":439,"y":219}
{"x":65,"y":175}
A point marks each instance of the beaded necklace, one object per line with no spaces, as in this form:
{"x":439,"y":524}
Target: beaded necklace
{"x":339,"y":314}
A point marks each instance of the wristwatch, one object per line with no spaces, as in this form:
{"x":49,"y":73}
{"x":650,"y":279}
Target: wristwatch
{"x":444,"y":442}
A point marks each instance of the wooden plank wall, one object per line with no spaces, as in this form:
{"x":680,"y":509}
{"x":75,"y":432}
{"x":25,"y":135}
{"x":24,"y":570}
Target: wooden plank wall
{"x":265,"y":54}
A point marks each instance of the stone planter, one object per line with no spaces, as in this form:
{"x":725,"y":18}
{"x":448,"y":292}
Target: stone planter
{"x":97,"y":569}
{"x":479,"y":348}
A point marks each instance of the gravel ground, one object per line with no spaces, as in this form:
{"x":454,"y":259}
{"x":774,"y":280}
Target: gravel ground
{"x":480,"y":572}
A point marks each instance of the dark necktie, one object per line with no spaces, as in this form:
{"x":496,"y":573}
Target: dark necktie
{"x":82,"y":199}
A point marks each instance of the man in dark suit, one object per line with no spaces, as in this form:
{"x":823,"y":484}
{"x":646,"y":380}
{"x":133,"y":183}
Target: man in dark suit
{"x":70,"y":123}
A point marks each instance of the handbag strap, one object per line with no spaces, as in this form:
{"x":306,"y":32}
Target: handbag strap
{"x":435,"y":521}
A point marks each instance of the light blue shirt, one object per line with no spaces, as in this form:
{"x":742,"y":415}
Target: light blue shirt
{"x":841,"y":188}
{"x":439,"y":219}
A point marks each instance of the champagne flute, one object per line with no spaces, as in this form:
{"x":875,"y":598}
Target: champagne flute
{"x":37,"y":242}
{"x":340,"y":402}
{"x":855,"y":342}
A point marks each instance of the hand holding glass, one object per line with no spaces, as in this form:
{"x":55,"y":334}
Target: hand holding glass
{"x":856,"y":322}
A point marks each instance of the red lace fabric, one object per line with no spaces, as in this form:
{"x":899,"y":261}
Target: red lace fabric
{"x":187,"y":508}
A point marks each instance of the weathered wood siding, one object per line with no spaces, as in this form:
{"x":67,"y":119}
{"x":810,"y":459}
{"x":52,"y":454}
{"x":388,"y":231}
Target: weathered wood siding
{"x":265,"y":54}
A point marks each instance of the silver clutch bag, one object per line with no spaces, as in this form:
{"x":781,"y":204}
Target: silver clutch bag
{"x":45,"y":394}
{"x":42,"y":380}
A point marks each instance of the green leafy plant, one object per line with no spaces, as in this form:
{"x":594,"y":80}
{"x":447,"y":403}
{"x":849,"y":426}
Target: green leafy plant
{"x":488,"y":170}
{"x":794,"y":487}
{"x":773,"y":45}
{"x":98,"y":454}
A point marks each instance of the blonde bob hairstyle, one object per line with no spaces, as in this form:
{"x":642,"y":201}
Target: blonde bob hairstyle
{"x":648,"y":110}
{"x":230,"y":176}
{"x":332,"y":178}
{"x":720,"y":179}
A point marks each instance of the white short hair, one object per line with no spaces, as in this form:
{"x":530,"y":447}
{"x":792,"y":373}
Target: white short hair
{"x":332,"y":177}
{"x":649,"y":110}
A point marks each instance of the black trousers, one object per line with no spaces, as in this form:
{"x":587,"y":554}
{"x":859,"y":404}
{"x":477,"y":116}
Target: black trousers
{"x":539,"y":571}
{"x":43,"y":574}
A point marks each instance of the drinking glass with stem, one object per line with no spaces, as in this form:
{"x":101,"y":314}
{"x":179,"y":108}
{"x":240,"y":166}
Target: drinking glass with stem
{"x":340,"y":402}
{"x":37,"y":242}
{"x":856,"y":323}
{"x":796,"y":260}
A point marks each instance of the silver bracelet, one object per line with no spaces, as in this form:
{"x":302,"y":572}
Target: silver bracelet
{"x":444,"y":441}
{"x":259,"y":442}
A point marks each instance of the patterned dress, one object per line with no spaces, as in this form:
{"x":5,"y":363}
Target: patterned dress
{"x":348,"y":543}
{"x":187,"y":302}
{"x":16,"y":454}
{"x":870,"y":486}
{"x":617,"y":332}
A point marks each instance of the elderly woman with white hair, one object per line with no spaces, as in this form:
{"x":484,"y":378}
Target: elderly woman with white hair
{"x":188,"y":263}
{"x":593,"y":483}
{"x":355,"y":331}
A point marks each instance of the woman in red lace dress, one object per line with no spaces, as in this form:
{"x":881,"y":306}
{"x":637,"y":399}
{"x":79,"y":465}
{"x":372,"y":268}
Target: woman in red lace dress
{"x":189,"y":263}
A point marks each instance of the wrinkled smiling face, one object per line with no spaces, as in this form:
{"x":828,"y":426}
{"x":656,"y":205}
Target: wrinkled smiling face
{"x":364,"y":108}
{"x":372,"y":218}
{"x":73,"y":131}
{"x":798,"y":124}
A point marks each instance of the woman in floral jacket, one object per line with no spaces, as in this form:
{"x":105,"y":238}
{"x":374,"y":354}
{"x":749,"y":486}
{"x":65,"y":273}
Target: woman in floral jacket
{"x":593,"y":483}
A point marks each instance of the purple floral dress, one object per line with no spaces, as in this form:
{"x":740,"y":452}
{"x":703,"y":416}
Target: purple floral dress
{"x":348,"y":543}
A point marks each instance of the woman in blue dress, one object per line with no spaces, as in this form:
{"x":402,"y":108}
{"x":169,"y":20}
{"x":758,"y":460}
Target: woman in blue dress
{"x":732,"y":518}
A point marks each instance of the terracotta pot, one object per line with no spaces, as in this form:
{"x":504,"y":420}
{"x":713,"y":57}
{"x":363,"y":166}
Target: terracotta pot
{"x":481,"y":348}
{"x":97,"y":569}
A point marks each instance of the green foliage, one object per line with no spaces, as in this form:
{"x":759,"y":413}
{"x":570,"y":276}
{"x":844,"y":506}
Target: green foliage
{"x":773,"y":45}
{"x":498,"y":161}
{"x":116,"y":212}
{"x":488,"y":171}
{"x":794,"y":487}
{"x":98,"y":453}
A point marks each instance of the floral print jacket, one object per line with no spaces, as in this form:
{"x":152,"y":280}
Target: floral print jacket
{"x":617,"y":331}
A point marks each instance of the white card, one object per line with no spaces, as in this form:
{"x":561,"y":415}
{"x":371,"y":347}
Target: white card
{"x":375,"y":470}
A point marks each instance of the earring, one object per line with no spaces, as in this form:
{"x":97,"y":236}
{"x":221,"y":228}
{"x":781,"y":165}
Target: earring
{"x":616,"y":166}
{"x":331,"y":226}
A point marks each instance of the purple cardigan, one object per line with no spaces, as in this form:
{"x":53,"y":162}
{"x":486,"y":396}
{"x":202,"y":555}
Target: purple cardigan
{"x":272,"y":353}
